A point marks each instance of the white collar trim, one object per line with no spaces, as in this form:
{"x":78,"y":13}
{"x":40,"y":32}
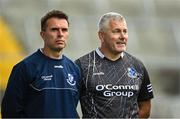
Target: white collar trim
{"x":102,"y":55}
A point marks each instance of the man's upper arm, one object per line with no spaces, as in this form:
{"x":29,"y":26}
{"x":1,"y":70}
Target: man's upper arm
{"x":12,"y":103}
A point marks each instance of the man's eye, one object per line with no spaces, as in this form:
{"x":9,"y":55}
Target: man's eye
{"x":54,"y":29}
{"x":64,"y":29}
{"x":125,"y":31}
{"x":116,"y":31}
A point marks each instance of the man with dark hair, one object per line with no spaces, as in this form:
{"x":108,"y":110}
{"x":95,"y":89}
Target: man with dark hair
{"x":53,"y":13}
{"x":115,"y":84}
{"x":46,"y":83}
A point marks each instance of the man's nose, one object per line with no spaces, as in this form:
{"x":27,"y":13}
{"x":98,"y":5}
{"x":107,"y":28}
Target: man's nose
{"x":122,"y":35}
{"x":60,"y":33}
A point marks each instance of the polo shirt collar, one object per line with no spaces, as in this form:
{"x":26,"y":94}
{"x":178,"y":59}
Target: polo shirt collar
{"x":102,"y":55}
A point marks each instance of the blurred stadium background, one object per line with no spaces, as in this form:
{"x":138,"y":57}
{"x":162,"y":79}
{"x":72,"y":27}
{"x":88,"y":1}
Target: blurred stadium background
{"x":154,"y":37}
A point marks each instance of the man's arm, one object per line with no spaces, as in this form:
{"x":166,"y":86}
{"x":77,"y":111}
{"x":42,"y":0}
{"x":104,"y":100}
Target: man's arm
{"x":12,"y":103}
{"x":144,"y":108}
{"x":145,"y":96}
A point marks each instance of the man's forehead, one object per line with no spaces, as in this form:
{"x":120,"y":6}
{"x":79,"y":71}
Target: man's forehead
{"x":114,"y":23}
{"x":57,"y":23}
{"x":55,"y":20}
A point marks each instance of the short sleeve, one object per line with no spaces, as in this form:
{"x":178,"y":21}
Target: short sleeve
{"x":146,"y":91}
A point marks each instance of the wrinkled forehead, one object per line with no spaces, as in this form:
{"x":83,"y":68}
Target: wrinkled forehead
{"x":118,"y":20}
{"x":116,"y":23}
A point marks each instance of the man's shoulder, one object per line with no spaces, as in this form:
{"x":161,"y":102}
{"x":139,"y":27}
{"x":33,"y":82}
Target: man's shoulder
{"x":32,"y":57}
{"x":84,"y":60}
{"x":86,"y":56}
{"x":26,"y":60}
{"x":133,"y":59}
{"x":68,"y":61}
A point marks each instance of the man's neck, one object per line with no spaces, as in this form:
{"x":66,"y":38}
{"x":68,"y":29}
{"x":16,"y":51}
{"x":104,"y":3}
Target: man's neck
{"x":111,"y":56}
{"x":52,"y":54}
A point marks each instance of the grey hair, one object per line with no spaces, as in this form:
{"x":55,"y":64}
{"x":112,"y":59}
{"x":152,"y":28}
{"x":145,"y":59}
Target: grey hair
{"x":104,"y":19}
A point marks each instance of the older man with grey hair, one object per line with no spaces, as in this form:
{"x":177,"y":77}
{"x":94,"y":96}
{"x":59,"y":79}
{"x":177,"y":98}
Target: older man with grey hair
{"x":115,"y":84}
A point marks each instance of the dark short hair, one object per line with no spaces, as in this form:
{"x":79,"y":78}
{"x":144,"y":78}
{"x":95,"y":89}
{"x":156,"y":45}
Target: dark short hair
{"x":52,"y":14}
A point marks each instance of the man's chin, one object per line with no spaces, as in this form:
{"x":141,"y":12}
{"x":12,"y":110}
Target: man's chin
{"x":58,"y":49}
{"x":121,"y":50}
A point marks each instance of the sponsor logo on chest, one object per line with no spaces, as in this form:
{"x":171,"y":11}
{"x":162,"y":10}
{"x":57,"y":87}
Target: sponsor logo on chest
{"x":47,"y":78}
{"x":110,"y":90}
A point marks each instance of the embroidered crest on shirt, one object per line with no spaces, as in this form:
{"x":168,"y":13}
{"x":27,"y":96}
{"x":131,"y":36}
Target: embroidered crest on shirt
{"x":71,"y":80}
{"x":132,"y":73}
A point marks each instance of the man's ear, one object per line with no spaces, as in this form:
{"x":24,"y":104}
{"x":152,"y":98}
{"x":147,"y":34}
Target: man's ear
{"x":42,"y":34}
{"x":101,"y":36}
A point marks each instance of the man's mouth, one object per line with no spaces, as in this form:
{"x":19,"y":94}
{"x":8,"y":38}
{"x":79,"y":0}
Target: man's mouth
{"x":59,"y":41}
{"x":121,"y":42}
